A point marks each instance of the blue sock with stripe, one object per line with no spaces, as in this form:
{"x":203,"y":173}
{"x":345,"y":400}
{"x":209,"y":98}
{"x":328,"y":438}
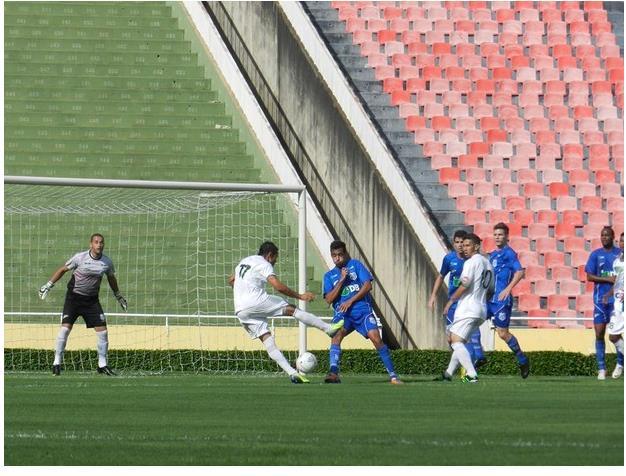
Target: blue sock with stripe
{"x":600,"y":351}
{"x":620,"y":358}
{"x":385,"y":356}
{"x":515,"y":348}
{"x":478,"y":353}
{"x":335,"y":357}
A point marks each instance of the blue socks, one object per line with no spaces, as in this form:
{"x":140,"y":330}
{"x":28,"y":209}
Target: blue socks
{"x":515,"y":348}
{"x":335,"y":357}
{"x":600,"y":351}
{"x":385,"y":356}
{"x":477,"y":349}
{"x":620,"y":358}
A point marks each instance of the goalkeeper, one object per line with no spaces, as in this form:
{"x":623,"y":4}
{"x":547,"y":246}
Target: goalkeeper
{"x":81,"y":299}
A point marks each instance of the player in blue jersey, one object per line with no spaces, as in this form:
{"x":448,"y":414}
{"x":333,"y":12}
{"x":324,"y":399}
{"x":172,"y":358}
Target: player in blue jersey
{"x":599,"y":269}
{"x":508,"y":272}
{"x":453,"y":264}
{"x":347,"y":289}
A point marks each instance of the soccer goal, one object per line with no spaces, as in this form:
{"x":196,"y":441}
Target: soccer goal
{"x":173,"y":245}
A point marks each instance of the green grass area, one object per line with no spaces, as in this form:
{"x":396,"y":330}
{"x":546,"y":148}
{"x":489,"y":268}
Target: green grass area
{"x":184,"y":419}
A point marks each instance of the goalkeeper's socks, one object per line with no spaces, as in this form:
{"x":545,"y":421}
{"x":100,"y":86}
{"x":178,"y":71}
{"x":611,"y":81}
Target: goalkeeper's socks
{"x":515,"y":348}
{"x":334,"y":358}
{"x":477,"y":348}
{"x":311,"y":320}
{"x":62,"y":336}
{"x":385,"y":356}
{"x":464,"y":358}
{"x":103,"y":347}
{"x":619,"y":350}
{"x":600,"y":351}
{"x":277,"y":356}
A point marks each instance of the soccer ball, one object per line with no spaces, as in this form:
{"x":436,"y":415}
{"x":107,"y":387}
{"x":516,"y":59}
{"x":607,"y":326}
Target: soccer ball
{"x":306,"y":363}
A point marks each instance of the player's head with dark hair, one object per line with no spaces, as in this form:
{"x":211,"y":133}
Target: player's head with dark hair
{"x":501,"y":234}
{"x":268,"y":248}
{"x":502,"y":226}
{"x":338,"y":245}
{"x":621,"y":242}
{"x":96,"y":244}
{"x":457,"y":240}
{"x":459,"y":234}
{"x":339,"y":253}
{"x":471,"y":245}
{"x":607,"y":237}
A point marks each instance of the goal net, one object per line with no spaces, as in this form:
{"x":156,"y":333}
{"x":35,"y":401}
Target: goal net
{"x":173,"y":251}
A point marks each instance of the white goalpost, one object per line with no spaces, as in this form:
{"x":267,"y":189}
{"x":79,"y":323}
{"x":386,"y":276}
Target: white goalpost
{"x":173,"y":245}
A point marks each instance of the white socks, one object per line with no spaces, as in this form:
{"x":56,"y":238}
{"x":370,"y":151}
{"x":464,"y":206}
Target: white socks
{"x":62,"y":336}
{"x":103,"y":347}
{"x":619,"y":345}
{"x":311,"y":320}
{"x":277,"y":356}
{"x":464,"y":357}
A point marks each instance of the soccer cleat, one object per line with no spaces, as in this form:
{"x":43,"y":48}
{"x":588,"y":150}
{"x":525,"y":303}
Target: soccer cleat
{"x":480,"y":363}
{"x":106,"y":371}
{"x":332,"y":378}
{"x":618,"y":371}
{"x":468,"y":379}
{"x":334,"y":328}
{"x":525,"y":369}
{"x":396,"y":381}
{"x":601,"y":374}
{"x":297,"y":378}
{"x":56,"y":370}
{"x":462,"y":372}
{"x":444,"y":377}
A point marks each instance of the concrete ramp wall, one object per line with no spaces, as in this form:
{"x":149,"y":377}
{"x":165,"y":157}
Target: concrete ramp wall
{"x":364,"y":198}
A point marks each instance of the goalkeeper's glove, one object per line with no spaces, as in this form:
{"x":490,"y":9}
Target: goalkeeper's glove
{"x":122,"y":301}
{"x":45,"y":289}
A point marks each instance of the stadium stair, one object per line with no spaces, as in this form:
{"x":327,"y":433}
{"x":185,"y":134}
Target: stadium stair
{"x":113,"y":90}
{"x":509,"y":111}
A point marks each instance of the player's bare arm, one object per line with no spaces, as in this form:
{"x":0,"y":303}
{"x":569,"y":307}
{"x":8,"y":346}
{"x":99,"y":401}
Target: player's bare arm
{"x":454,"y":298}
{"x":600,"y":279}
{"x":332,"y":296}
{"x":366,"y":288}
{"x":517,"y":277}
{"x":287,"y":291}
{"x":231,"y":280}
{"x":433,"y":294}
{"x":58,"y":274}
{"x":116,"y":291}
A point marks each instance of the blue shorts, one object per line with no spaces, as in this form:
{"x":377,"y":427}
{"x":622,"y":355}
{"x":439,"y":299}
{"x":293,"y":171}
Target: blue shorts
{"x":500,"y":312}
{"x":363,"y":322}
{"x":602,"y":313}
{"x":450,"y":315}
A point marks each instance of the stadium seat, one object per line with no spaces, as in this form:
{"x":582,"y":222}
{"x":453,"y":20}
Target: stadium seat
{"x":564,"y":230}
{"x":523,"y":216}
{"x":578,"y":257}
{"x":553,"y":258}
{"x":569,"y":287}
{"x":544,"y":287}
{"x":538,"y":230}
{"x":558,"y":303}
{"x":527,"y":302}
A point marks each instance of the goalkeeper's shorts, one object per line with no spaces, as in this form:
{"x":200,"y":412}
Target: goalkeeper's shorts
{"x":87,"y":306}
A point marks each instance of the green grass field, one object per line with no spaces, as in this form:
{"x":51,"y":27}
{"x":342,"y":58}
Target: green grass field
{"x":183,"y":419}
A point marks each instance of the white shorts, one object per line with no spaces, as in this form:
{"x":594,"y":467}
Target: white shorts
{"x":254,"y":319}
{"x":465,"y":327}
{"x":616,"y":325}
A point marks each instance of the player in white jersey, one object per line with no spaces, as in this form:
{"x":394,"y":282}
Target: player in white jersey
{"x":253,"y":305}
{"x":472,"y":294}
{"x":616,"y":324}
{"x":81,"y":299}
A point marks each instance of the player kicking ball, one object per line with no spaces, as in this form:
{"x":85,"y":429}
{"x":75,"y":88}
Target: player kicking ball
{"x":82,"y":299}
{"x":472,"y":294}
{"x":253,"y":305}
{"x":347,"y":288}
